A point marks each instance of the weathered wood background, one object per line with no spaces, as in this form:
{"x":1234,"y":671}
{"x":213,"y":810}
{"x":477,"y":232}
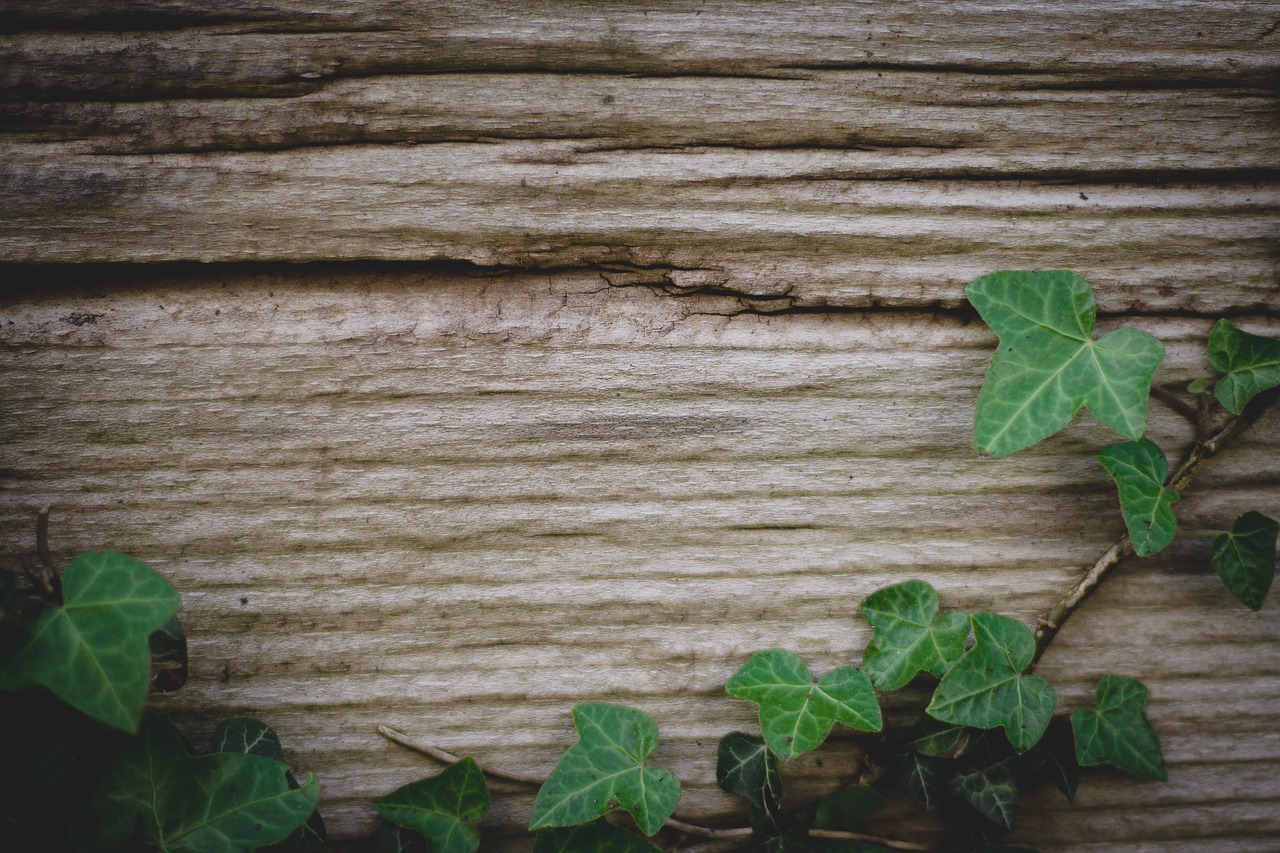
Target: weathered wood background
{"x":631,"y":340}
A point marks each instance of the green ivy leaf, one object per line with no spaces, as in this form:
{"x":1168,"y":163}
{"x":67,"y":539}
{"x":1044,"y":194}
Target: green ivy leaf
{"x":747,"y":767}
{"x":397,"y":839}
{"x":908,"y":638}
{"x":993,"y":791}
{"x":796,"y":715}
{"x":1251,"y":362}
{"x":605,"y":769}
{"x":1118,"y":732}
{"x":1053,"y":760}
{"x":156,"y":793}
{"x":846,"y":809}
{"x":248,"y":736}
{"x":1048,"y":365}
{"x":938,"y":739}
{"x":441,"y":808}
{"x":1139,"y":469}
{"x":597,"y":837}
{"x":92,"y":652}
{"x":1245,"y":557}
{"x":986,"y":688}
{"x":921,"y":776}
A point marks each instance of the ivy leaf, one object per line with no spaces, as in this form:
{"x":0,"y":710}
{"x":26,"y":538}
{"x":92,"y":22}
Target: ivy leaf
{"x":1118,"y":732}
{"x":796,"y":715}
{"x":248,"y":736}
{"x":1053,"y":760}
{"x":605,"y":769}
{"x":986,"y":688}
{"x":397,"y":839}
{"x":156,"y":793}
{"x":597,"y":837}
{"x":938,"y":739}
{"x":846,"y":809}
{"x":921,"y":776}
{"x":908,"y":638}
{"x":441,"y":808}
{"x":747,"y":767}
{"x":1251,"y":362}
{"x":1048,"y":365}
{"x":1139,"y":469}
{"x":993,"y":791}
{"x":92,"y":652}
{"x":1245,"y":557}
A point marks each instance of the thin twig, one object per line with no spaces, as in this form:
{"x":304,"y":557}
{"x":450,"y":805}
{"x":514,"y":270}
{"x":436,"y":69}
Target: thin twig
{"x":672,"y":823}
{"x":1198,"y":419}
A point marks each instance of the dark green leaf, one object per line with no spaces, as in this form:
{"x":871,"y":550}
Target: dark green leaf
{"x":1053,"y":760}
{"x":597,"y":837}
{"x":921,"y":776}
{"x":1139,"y":469}
{"x":1245,"y":557}
{"x":986,"y":689}
{"x":908,"y":636}
{"x":1118,"y":732}
{"x":796,"y":715}
{"x":605,"y":770}
{"x":168,"y":645}
{"x":441,"y":808}
{"x":397,"y":839}
{"x":846,"y":809}
{"x":938,"y":739}
{"x":747,"y":767}
{"x":1048,"y":365}
{"x":992,"y":790}
{"x":92,"y":651}
{"x":180,"y":803}
{"x":1251,"y":362}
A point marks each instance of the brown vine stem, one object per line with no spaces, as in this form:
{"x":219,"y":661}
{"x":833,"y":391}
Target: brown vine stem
{"x":1208,"y":442}
{"x":672,"y":823}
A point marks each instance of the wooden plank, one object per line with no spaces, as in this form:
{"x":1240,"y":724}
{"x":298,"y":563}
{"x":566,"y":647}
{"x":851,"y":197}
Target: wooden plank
{"x":458,"y":504}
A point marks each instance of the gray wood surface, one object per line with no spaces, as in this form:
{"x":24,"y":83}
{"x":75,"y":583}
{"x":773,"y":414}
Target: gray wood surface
{"x":552,"y":352}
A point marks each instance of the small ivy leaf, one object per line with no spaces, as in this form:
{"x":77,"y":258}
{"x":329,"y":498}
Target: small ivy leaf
{"x":397,"y":839}
{"x":92,"y":652}
{"x":1251,"y":362}
{"x":597,"y":837}
{"x":1245,"y":557}
{"x":922,"y":777}
{"x":986,"y":688}
{"x":747,"y":767}
{"x":605,"y":769}
{"x":1053,"y":760}
{"x":1118,"y":732}
{"x":1139,"y":469}
{"x":938,"y":739}
{"x":846,"y":809}
{"x":182,"y":803}
{"x":1048,"y":365}
{"x":796,"y":715}
{"x":908,"y":638}
{"x":992,"y":790}
{"x":441,"y":808}
{"x":248,"y":736}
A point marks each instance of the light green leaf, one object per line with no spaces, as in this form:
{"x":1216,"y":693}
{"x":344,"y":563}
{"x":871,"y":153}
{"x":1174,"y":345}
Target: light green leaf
{"x":846,"y":809}
{"x":986,"y":688}
{"x":1245,"y":557}
{"x":92,"y":651}
{"x":1118,"y":732}
{"x":1139,"y":469}
{"x":441,"y":808}
{"x":161,"y":796}
{"x":597,"y":837}
{"x":747,"y":767}
{"x":796,"y":715}
{"x":993,"y":791}
{"x":1048,"y":365}
{"x":908,"y":638}
{"x":1251,"y":362}
{"x":605,"y":770}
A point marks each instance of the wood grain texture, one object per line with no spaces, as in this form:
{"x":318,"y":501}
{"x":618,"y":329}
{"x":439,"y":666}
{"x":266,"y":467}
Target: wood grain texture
{"x":459,"y":503}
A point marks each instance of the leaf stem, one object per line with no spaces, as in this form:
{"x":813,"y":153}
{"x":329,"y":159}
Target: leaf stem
{"x":672,"y":823}
{"x":1198,"y":419}
{"x":1208,"y":442}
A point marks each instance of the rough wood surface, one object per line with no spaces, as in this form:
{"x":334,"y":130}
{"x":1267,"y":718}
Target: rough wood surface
{"x":459,"y":504}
